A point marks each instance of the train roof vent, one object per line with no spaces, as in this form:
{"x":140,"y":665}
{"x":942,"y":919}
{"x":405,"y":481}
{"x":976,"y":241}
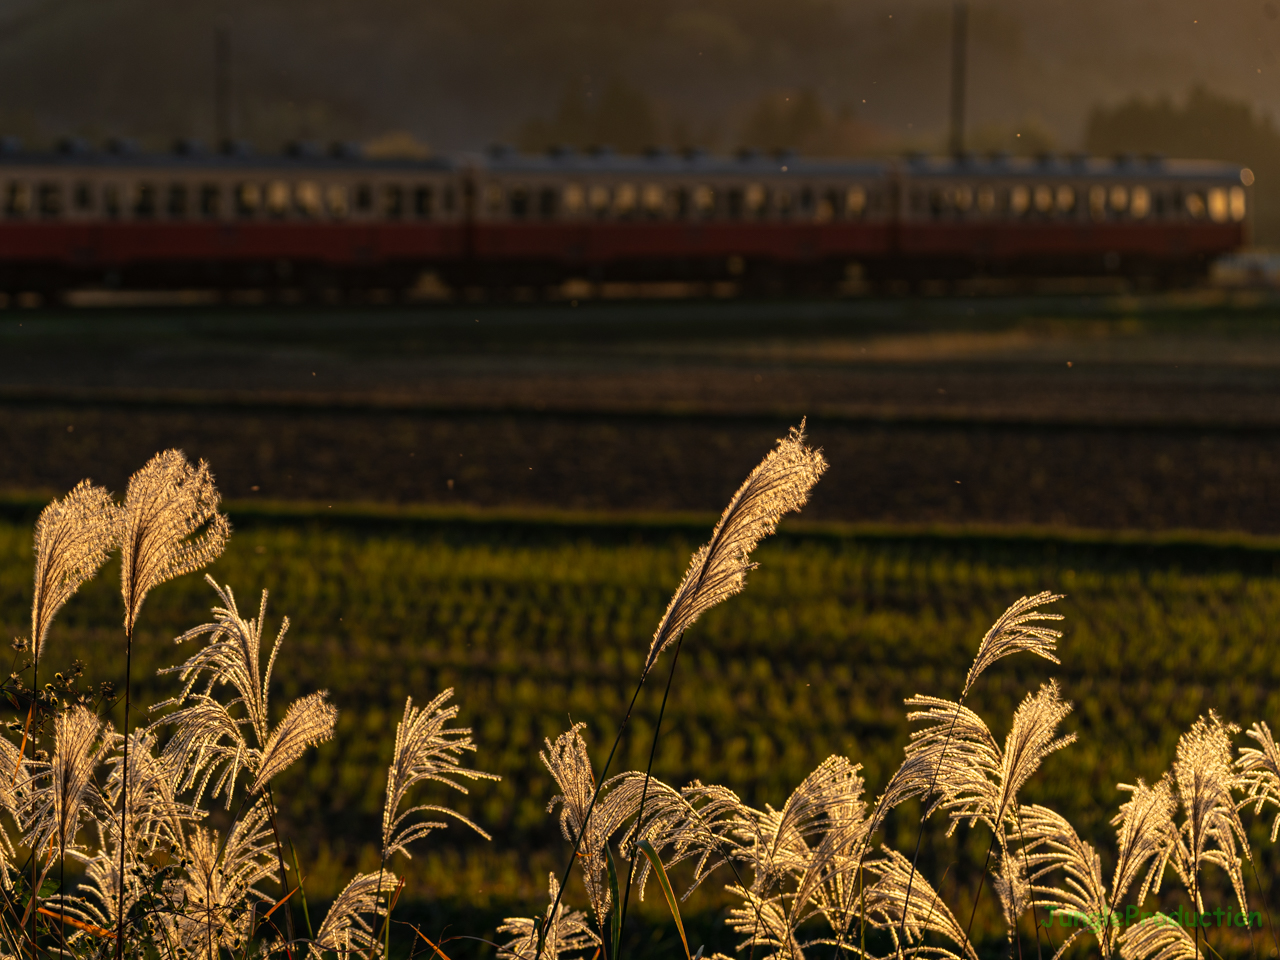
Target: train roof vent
{"x":747,"y":154}
{"x":785,"y":153}
{"x":498,"y":151}
{"x":999,"y":157}
{"x":235,"y":148}
{"x":303,"y":149}
{"x":122,"y":146}
{"x":1154,"y":159}
{"x":559,"y":151}
{"x":10,"y":146}
{"x":346,"y":150}
{"x":189,"y":147}
{"x":73,"y":146}
{"x":1124,"y":159}
{"x":1078,"y":160}
{"x":964,"y":158}
{"x":916,"y":157}
{"x":1046,"y":158}
{"x":600,"y":150}
{"x":655,"y":153}
{"x":694,"y":153}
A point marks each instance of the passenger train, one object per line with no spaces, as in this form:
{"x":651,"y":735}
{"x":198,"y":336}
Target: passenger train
{"x":329,"y":223}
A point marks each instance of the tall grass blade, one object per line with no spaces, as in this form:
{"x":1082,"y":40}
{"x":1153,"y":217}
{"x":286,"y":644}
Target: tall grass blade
{"x":660,"y":872}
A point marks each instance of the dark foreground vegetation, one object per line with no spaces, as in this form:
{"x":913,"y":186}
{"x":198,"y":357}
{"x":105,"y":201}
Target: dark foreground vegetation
{"x":542,"y":624}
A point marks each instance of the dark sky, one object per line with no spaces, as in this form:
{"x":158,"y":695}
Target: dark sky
{"x":461,"y":73}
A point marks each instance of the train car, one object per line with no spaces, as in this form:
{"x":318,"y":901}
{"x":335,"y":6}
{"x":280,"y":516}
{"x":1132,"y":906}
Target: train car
{"x":334,"y":223}
{"x":1155,"y":219}
{"x":681,"y":217}
{"x":304,"y":219}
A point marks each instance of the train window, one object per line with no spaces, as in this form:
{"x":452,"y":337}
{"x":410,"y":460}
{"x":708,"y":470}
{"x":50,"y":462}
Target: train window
{"x":423,"y":202}
{"x":177,"y":205}
{"x":447,"y":199}
{"x":1195,"y":205}
{"x":50,"y":199}
{"x":598,"y":198}
{"x":145,"y":204}
{"x":937,"y":202}
{"x":210,"y":200}
{"x":734,"y":198}
{"x":654,"y":199}
{"x":1119,"y":198}
{"x":519,"y":203}
{"x":1098,"y":202}
{"x":1042,"y":197}
{"x":277,"y":198}
{"x":547,"y":202}
{"x":1140,"y":202}
{"x":248,"y":199}
{"x":1158,"y":203}
{"x":364,"y":197}
{"x":18,"y":200}
{"x":806,"y":200}
{"x":306,"y":197}
{"x":335,"y":199}
{"x":1237,"y":203}
{"x":574,"y":198}
{"x":1218,"y":209}
{"x":755,"y":198}
{"x":962,"y":197}
{"x":855,"y":201}
{"x":1019,"y":200}
{"x":1064,"y":198}
{"x":493,"y":197}
{"x":826,"y":209}
{"x":113,"y":200}
{"x":83,"y":196}
{"x":782,"y":202}
{"x":624,"y":199}
{"x":704,"y":200}
{"x":986,"y":199}
{"x":393,"y":201}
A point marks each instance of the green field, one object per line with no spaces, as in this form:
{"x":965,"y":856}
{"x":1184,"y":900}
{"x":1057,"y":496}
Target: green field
{"x":542,"y":622}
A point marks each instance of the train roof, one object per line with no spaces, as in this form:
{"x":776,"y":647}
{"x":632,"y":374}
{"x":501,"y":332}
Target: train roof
{"x":193,"y":155}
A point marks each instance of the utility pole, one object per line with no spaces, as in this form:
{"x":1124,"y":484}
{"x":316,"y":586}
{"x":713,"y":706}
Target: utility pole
{"x":959,"y":68}
{"x":222,"y":85}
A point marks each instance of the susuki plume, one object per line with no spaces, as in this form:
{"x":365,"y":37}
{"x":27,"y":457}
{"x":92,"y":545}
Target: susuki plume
{"x":344,"y":930}
{"x":308,"y":721}
{"x":1260,"y":773}
{"x":73,"y":538}
{"x":1017,"y":630}
{"x":888,"y":905}
{"x":718,"y":570}
{"x":425,"y":750}
{"x":1051,"y":843}
{"x":62,"y":793}
{"x":171,"y":526}
{"x":1144,"y":835}
{"x":1157,"y":938}
{"x":564,"y":933}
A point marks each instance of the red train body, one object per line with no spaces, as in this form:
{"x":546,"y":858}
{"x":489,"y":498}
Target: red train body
{"x":315,"y":223}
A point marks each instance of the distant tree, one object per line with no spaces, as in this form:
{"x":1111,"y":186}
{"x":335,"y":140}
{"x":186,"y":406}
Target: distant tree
{"x":798,"y":120}
{"x":623,"y":118}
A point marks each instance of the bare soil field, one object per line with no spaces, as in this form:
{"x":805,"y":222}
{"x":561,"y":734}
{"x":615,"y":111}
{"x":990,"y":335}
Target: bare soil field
{"x":1145,"y":415}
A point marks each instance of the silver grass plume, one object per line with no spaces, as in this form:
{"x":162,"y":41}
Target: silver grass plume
{"x":1017,"y":630}
{"x":62,"y":794}
{"x":218,"y":884}
{"x":171,"y":526}
{"x":1157,"y":938}
{"x":1260,"y":773}
{"x":564,"y":933}
{"x":704,"y":823}
{"x":901,"y":899}
{"x":308,"y":721}
{"x":154,"y":817}
{"x":426,"y":750}
{"x":570,"y":766}
{"x":1211,"y":832}
{"x":1144,"y":837}
{"x":765,"y":923}
{"x":1051,"y":843}
{"x":978,"y":780}
{"x":344,"y":930}
{"x":718,"y":570}
{"x":1013,"y":888}
{"x":73,"y":538}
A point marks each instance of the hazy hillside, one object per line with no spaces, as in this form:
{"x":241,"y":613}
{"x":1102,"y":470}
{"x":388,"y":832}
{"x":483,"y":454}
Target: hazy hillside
{"x":459,"y":73}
